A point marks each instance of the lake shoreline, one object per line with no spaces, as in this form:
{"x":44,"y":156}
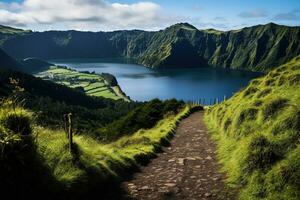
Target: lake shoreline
{"x":188,"y":84}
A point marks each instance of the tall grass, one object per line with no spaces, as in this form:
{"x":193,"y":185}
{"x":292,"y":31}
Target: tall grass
{"x":258,"y":134}
{"x":39,"y":162}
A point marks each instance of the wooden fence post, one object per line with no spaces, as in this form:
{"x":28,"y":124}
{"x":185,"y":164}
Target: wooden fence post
{"x":65,"y":117}
{"x":68,"y":126}
{"x":70,"y":132}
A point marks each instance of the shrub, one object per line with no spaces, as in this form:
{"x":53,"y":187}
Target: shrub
{"x":172,"y":105}
{"x":264,"y":92}
{"x":281,"y":80}
{"x":257,"y":103}
{"x":227,"y":123}
{"x":292,"y":122}
{"x":18,"y":124}
{"x":269,"y":82}
{"x":273,"y":74}
{"x":246,"y":114}
{"x":272,"y":107}
{"x":249,"y":91}
{"x":294,"y":79}
{"x":262,"y":154}
{"x":143,"y":117}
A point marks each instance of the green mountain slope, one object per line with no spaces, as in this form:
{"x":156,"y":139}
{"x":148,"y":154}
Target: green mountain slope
{"x":10,"y":30}
{"x":36,"y":162}
{"x":6,"y":62}
{"x":258,"y":134}
{"x":52,"y":100}
{"x":258,"y":48}
{"x":99,"y":85}
{"x":29,"y":65}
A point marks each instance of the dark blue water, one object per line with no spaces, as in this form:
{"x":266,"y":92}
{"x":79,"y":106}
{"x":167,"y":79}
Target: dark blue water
{"x":141,"y":83}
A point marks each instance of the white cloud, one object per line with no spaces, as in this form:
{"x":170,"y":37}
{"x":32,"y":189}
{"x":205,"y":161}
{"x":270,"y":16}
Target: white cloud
{"x":88,"y":14}
{"x":294,"y":15}
{"x":253,"y":14}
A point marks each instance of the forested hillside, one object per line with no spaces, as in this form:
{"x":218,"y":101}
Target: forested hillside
{"x":257,"y":48}
{"x":50,"y":101}
{"x":35,"y":160}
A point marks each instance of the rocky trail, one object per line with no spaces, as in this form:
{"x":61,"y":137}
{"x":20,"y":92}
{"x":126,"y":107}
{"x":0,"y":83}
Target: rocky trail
{"x":187,"y":169}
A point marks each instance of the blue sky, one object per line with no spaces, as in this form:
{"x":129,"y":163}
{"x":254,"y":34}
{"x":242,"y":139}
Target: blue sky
{"x":147,"y":14}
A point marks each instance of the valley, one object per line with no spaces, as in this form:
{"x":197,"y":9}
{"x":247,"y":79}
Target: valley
{"x":104,"y":85}
{"x":144,"y":84}
{"x":190,"y":114}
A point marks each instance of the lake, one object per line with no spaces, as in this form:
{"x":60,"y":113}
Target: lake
{"x":189,"y":84}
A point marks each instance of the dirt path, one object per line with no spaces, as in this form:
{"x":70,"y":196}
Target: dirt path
{"x":186,"y":170}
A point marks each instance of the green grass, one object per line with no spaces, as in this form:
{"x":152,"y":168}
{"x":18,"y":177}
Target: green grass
{"x":92,"y":84}
{"x":89,"y":168}
{"x":10,"y":30}
{"x":98,"y":163}
{"x":258,"y":134}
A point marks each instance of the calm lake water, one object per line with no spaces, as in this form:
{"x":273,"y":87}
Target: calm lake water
{"x":141,"y":83}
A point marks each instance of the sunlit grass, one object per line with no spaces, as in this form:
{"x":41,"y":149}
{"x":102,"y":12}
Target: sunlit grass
{"x":92,"y":84}
{"x":106,"y":160}
{"x":258,"y":135}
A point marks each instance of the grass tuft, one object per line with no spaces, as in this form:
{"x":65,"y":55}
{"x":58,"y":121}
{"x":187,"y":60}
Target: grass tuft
{"x":272,"y":107}
{"x":258,"y":134}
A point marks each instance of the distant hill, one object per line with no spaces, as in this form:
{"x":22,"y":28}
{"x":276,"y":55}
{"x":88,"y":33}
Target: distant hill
{"x":29,"y":65}
{"x":6,"y":62}
{"x":257,"y":48}
{"x":10,"y":30}
{"x":52,"y":100}
{"x":35,"y":65}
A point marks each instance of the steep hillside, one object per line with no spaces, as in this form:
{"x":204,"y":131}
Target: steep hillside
{"x":34,"y":65}
{"x":98,"y":85}
{"x":10,"y":30}
{"x":50,"y":101}
{"x":28,"y":65}
{"x":258,"y":134}
{"x":6,"y":62}
{"x":35,"y":160}
{"x":258,"y":48}
{"x":174,"y":46}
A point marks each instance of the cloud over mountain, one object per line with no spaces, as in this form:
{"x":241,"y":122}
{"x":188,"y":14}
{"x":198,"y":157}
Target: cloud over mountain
{"x":253,"y":14}
{"x":82,"y":13}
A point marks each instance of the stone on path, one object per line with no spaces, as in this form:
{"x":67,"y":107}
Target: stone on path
{"x":185,"y":170}
{"x":181,"y":161}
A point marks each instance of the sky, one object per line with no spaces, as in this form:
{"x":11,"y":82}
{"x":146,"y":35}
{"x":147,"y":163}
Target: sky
{"x":107,"y":15}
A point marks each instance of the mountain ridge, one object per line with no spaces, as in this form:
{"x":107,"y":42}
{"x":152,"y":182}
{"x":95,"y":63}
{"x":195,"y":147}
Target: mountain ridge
{"x":256,"y":48}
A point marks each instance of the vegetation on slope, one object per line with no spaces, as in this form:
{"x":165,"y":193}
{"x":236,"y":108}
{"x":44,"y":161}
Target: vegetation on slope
{"x":10,"y":30}
{"x":50,"y":101}
{"x":35,"y":161}
{"x":258,"y":134}
{"x":28,"y":65}
{"x":8,"y":63}
{"x":34,"y":65}
{"x":90,"y":83}
{"x":142,"y":117}
{"x":258,"y":48}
